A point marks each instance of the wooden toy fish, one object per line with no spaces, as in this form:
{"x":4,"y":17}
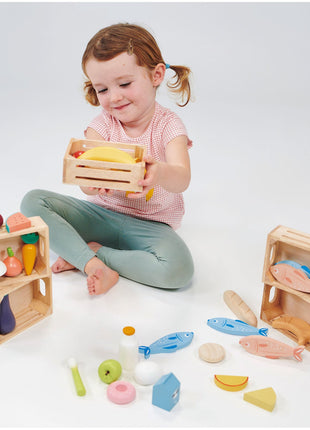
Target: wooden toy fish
{"x":270,"y":348}
{"x":291,"y":277}
{"x":169,"y":343}
{"x":236,"y":327}
{"x":296,"y":265}
{"x":298,"y":327}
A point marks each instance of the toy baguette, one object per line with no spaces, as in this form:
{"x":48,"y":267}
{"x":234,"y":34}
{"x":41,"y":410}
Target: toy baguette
{"x":239,"y":307}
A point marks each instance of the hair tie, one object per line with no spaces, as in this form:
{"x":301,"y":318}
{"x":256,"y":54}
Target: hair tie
{"x":167,"y":66}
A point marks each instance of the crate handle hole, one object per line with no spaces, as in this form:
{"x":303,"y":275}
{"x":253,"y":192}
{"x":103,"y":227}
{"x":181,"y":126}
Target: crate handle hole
{"x":42,"y":247}
{"x":42,"y":288}
{"x":272,"y":294}
{"x":272,"y":253}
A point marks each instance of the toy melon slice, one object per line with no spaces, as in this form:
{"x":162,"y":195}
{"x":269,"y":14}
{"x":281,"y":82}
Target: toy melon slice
{"x":231,"y":382}
{"x":265,"y":398}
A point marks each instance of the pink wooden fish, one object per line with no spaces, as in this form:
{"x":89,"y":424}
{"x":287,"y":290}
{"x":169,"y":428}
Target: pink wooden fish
{"x":291,"y":277}
{"x":270,"y":348}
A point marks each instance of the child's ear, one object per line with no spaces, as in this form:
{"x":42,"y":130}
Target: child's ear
{"x":158,"y":74}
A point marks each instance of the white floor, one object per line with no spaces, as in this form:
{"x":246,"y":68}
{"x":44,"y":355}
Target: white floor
{"x":250,"y":162}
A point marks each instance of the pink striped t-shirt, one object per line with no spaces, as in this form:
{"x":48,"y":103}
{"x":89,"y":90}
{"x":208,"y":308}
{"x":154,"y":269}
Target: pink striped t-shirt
{"x":164,"y":206}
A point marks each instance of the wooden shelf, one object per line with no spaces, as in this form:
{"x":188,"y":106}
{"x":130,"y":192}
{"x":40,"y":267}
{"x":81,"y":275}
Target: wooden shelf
{"x":284,"y":243}
{"x":30,"y":295}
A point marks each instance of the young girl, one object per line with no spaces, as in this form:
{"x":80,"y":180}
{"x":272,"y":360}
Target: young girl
{"x":111,"y":234}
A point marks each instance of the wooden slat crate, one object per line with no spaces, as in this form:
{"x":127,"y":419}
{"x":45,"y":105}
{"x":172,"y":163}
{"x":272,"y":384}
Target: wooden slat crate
{"x":284,"y":243}
{"x":103,"y":174}
{"x":30,"y":295}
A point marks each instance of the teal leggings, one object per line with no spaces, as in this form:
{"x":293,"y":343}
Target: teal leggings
{"x":147,"y":252}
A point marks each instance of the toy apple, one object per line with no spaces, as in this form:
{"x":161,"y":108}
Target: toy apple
{"x":13,"y":264}
{"x":109,"y":371}
{"x":1,"y":220}
{"x":76,"y":154}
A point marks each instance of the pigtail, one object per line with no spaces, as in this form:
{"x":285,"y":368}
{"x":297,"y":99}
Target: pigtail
{"x":90,"y":94}
{"x":179,"y":83}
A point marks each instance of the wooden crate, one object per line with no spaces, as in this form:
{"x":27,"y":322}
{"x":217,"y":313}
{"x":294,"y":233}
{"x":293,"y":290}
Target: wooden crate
{"x":30,"y":302}
{"x":103,"y":174}
{"x":284,"y":243}
{"x":30,"y":295}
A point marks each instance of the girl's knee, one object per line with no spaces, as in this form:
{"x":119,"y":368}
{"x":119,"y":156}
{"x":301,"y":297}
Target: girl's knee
{"x":177,"y":276}
{"x":29,"y":202}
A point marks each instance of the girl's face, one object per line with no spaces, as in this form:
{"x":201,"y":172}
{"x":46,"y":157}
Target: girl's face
{"x":124,"y":89}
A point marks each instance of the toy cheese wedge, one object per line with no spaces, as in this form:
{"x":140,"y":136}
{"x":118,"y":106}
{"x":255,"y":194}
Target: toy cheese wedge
{"x":265,"y":398}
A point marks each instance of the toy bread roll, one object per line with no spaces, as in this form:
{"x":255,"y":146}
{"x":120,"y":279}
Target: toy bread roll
{"x":239,"y":307}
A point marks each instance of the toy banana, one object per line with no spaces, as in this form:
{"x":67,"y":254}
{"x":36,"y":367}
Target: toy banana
{"x":107,"y":153}
{"x":149,"y":194}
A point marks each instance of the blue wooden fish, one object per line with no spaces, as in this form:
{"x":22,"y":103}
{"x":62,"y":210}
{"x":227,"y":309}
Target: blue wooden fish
{"x":236,"y":327}
{"x":296,"y":265}
{"x":169,"y":343}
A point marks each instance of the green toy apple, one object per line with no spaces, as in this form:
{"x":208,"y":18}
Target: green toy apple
{"x":109,"y":371}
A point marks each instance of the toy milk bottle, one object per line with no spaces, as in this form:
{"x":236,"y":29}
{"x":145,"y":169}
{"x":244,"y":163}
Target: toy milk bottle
{"x":128,"y":349}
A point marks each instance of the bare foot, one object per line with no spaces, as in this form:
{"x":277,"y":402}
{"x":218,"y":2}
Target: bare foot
{"x":100,"y":277}
{"x":61,"y":265}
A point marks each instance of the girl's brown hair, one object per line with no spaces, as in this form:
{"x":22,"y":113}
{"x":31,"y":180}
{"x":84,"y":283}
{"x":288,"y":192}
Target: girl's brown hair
{"x":133,"y":39}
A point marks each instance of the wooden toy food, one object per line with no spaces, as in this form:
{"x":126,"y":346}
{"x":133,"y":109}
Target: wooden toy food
{"x":270,"y":348}
{"x":231,"y":382}
{"x":109,"y":371}
{"x":211,"y":352}
{"x":107,"y":153}
{"x":7,"y":319}
{"x":78,"y":383}
{"x":235,"y":327}
{"x":239,"y":307}
{"x":16,"y":222}
{"x":121,"y":392}
{"x":13,"y":265}
{"x":291,"y":276}
{"x":169,"y":343}
{"x":1,"y":220}
{"x":147,"y":372}
{"x":29,"y":251}
{"x":265,"y":398}
{"x":298,"y":327}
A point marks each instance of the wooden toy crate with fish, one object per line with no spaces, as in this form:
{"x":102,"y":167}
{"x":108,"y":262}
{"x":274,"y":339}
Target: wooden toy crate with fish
{"x":285,"y":244}
{"x":30,"y":296}
{"x":104,"y":174}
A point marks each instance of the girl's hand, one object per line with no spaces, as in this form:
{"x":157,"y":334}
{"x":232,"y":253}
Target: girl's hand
{"x":92,"y":191}
{"x":150,"y":178}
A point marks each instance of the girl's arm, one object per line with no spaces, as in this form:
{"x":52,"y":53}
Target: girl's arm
{"x":174,"y":174}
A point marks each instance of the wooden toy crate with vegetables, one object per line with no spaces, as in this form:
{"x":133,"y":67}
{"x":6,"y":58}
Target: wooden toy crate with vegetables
{"x":285,"y":244}
{"x":30,"y":296}
{"x":117,"y":175}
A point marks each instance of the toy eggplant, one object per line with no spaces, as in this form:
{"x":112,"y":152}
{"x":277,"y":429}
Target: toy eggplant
{"x":7,"y":319}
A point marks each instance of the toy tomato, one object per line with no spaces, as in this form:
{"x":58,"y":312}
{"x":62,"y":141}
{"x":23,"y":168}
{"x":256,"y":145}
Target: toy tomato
{"x":76,"y":154}
{"x":13,"y":265}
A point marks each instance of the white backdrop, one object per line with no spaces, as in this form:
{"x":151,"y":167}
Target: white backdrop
{"x":250,"y":117}
{"x":250,"y":172}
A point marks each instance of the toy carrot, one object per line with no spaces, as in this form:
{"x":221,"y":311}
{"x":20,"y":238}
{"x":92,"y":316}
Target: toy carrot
{"x":29,"y":251}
